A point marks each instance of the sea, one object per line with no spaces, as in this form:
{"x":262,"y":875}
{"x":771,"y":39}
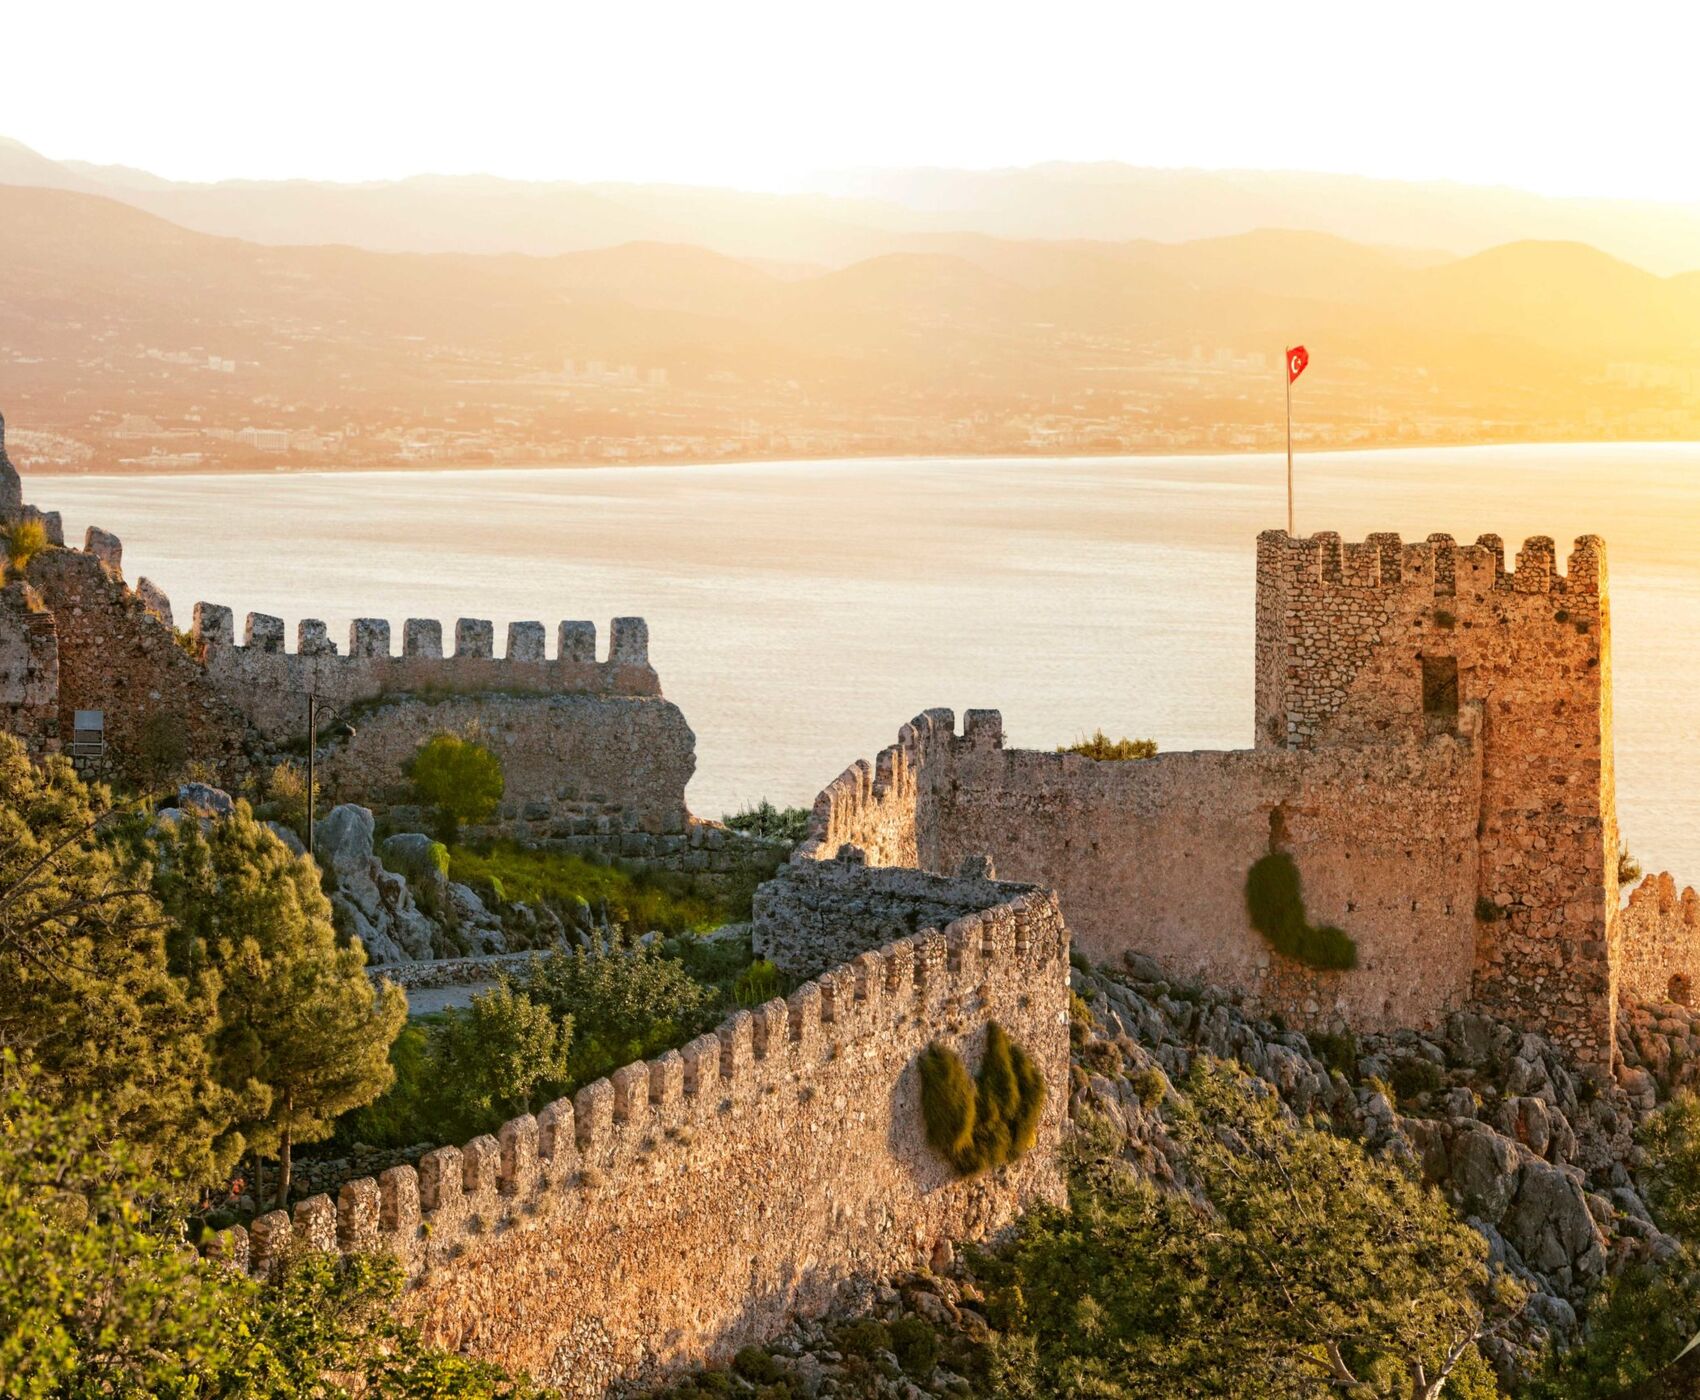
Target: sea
{"x":799,"y":612}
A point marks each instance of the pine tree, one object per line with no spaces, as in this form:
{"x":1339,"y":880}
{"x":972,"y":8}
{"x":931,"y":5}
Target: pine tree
{"x":86,"y":993}
{"x":303,"y":1035}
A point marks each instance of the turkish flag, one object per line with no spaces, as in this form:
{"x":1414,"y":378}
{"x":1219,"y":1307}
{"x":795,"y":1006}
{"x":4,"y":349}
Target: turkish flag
{"x":1297,"y":358}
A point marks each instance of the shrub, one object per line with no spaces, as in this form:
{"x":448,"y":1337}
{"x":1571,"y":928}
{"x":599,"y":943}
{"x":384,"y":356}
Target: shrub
{"x":1628,"y":868}
{"x":487,"y":1063}
{"x":1414,"y":1077}
{"x":1671,"y":1138}
{"x":1336,"y":1051}
{"x":1152,"y":1087}
{"x":865,"y":1337}
{"x":915,"y":1345}
{"x":755,"y":1364}
{"x":286,"y":796}
{"x":459,"y":777}
{"x":1101,"y":746}
{"x":1275,"y":903}
{"x":771,"y":823}
{"x":625,"y":1003}
{"x":23,"y":540}
{"x":977,"y":1125}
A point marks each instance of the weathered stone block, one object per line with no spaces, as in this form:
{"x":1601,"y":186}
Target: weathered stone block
{"x":577,"y":641}
{"x":263,"y":632}
{"x":422,"y":636}
{"x":525,"y":641}
{"x":474,"y":637}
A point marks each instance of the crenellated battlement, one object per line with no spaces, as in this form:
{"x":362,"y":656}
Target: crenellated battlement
{"x":872,"y":805}
{"x":660,"y":1141}
{"x":1438,"y":565}
{"x":371,"y":638}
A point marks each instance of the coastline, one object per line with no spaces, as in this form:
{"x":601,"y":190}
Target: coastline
{"x":808,"y":460}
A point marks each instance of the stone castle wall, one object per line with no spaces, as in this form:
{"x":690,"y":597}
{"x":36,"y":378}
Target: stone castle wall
{"x":29,"y":670}
{"x":1151,"y":856}
{"x":1658,"y":936}
{"x":116,"y":656}
{"x":693,"y":1204}
{"x":1346,"y":636}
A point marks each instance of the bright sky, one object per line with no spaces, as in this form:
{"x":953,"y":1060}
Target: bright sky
{"x":1561,"y":98}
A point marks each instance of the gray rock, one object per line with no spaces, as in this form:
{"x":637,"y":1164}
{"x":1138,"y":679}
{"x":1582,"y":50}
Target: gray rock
{"x":371,"y":903}
{"x":288,"y":837}
{"x":202,"y":797}
{"x":1551,"y":1226}
{"x":1484,"y":1170}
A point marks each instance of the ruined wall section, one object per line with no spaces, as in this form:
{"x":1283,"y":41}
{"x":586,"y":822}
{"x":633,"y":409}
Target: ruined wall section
{"x":116,"y":656}
{"x":591,"y":766}
{"x":29,"y":670}
{"x":1346,"y":636}
{"x":1151,"y":856}
{"x":1659,"y":942}
{"x":693,"y":1204}
{"x":815,"y":914}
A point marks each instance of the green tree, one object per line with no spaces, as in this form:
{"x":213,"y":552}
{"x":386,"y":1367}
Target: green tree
{"x":1671,"y":1138}
{"x":1305,"y":1268}
{"x":303,"y":1035}
{"x":459,"y":777}
{"x":486,"y":1064}
{"x":99,"y":1297}
{"x":625,"y":1003}
{"x":85,"y":987}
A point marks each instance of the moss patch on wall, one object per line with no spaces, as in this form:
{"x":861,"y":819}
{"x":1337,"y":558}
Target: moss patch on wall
{"x":1275,"y":902}
{"x":979,"y":1124}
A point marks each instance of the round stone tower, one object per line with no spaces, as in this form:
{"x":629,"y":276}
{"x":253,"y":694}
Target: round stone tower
{"x":11,"y":489}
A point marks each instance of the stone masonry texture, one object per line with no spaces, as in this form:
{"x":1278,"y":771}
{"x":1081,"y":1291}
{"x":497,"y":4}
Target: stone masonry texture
{"x":692,"y":1204}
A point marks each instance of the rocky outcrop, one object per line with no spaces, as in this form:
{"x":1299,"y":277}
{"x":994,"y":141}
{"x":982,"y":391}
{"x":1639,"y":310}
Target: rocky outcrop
{"x":369,"y":902}
{"x":1535,"y":1152}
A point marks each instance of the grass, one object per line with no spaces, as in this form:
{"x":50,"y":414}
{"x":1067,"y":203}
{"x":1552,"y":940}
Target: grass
{"x":23,"y":540}
{"x":642,"y":902}
{"x":1275,"y":903}
{"x":977,"y":1124}
{"x":1101,"y":746}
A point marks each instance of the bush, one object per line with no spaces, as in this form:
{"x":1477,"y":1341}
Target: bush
{"x":625,"y":1003}
{"x":23,"y":540}
{"x":286,"y":796}
{"x":1338,"y":1052}
{"x":977,"y":1125}
{"x":1275,"y":903}
{"x":1628,"y":868}
{"x":771,"y":823}
{"x":1671,"y":1138}
{"x":1415,"y":1077}
{"x":916,"y":1346}
{"x":487,"y":1063}
{"x":1101,"y":746}
{"x":459,"y":777}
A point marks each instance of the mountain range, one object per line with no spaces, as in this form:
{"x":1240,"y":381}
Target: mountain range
{"x":130,"y":335}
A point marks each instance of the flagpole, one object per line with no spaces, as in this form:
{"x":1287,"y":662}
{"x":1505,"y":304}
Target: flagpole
{"x":1287,"y":375}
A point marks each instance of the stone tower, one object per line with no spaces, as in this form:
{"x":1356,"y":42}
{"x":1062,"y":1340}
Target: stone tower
{"x":1360,"y":643}
{"x":11,"y":488}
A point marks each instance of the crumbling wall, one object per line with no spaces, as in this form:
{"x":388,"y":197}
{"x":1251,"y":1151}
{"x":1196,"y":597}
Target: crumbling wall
{"x":816,"y":913}
{"x":29,"y":670}
{"x":693,"y":1204}
{"x":1151,"y":856}
{"x":1658,"y":940}
{"x":116,"y":656}
{"x":1347,"y":634}
{"x":586,"y":763}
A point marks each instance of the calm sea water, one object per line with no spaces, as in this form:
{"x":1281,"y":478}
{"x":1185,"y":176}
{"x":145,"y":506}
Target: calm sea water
{"x":799,"y":612}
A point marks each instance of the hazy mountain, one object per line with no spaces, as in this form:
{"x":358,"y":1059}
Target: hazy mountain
{"x":965,"y":342}
{"x":861,"y":215}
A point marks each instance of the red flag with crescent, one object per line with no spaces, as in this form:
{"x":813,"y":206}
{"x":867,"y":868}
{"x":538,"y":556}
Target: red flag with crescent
{"x":1297,"y":358}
